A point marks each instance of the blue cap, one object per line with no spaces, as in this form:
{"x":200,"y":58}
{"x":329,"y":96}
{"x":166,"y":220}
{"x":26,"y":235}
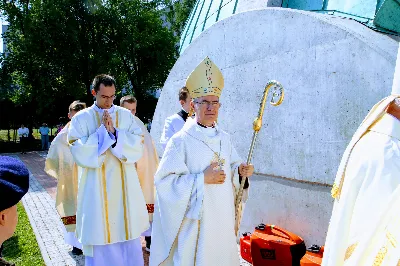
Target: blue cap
{"x":14,"y":181}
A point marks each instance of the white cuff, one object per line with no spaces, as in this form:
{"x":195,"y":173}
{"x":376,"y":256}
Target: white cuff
{"x":105,"y":139}
{"x":196,"y":199}
{"x":117,"y":150}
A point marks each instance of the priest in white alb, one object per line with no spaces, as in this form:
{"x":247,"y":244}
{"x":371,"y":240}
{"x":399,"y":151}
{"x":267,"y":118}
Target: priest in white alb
{"x":365,"y":224}
{"x":106,"y":142}
{"x":196,"y":184}
{"x":146,"y":167}
{"x":60,"y":165}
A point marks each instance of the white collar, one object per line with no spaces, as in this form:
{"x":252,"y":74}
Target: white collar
{"x":99,"y":110}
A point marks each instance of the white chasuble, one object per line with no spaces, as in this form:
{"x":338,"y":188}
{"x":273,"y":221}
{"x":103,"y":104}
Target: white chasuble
{"x":111,"y":207}
{"x":194,"y":222}
{"x":60,"y":165}
{"x":146,"y":168}
{"x":365,"y":223}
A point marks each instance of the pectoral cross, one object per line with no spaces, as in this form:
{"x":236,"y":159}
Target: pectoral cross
{"x":220,"y":161}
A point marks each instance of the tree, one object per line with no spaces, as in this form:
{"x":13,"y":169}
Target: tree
{"x":58,"y":46}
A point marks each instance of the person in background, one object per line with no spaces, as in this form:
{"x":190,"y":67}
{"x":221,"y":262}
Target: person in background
{"x":146,"y":167}
{"x":14,"y":184}
{"x":23,"y":133}
{"x":60,"y":165}
{"x":364,"y":227}
{"x":129,"y":102}
{"x":149,"y":124}
{"x":44,"y":132}
{"x":174,"y":123}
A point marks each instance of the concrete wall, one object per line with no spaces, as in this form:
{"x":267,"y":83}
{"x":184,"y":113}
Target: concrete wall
{"x":333,"y":70}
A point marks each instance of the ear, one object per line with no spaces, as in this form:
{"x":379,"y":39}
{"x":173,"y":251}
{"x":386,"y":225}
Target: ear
{"x":94,"y":92}
{"x":182,"y":102}
{"x":2,"y":218}
{"x":192,"y":105}
{"x":69,"y":116}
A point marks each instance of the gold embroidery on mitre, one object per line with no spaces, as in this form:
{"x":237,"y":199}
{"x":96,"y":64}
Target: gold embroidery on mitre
{"x":206,"y":79}
{"x":350,"y":250}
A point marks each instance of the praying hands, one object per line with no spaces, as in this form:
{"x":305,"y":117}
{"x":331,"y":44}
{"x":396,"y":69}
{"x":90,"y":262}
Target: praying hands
{"x":108,"y":123}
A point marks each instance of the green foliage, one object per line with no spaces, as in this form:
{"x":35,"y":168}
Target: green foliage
{"x":22,"y":248}
{"x":58,"y":46}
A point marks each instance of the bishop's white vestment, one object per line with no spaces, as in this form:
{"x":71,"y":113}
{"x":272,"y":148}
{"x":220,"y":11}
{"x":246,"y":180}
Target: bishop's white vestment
{"x":365,"y":223}
{"x":60,"y":165}
{"x":194,"y":222}
{"x":111,"y":207}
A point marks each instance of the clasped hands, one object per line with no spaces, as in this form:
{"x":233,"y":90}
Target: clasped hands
{"x":108,"y":123}
{"x":212,"y":176}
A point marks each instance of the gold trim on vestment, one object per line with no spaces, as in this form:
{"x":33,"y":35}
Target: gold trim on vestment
{"x":335,"y":191}
{"x":391,"y":239}
{"x":103,"y":174}
{"x":116,"y":119}
{"x":97,"y":118}
{"x":350,"y":250}
{"x":75,"y":181}
{"x":124,"y":201}
{"x":197,"y":240}
{"x":380,"y":256}
{"x":102,"y":204}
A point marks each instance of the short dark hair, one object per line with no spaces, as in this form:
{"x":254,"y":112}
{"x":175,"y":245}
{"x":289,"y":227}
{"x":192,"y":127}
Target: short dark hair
{"x":183,"y":94}
{"x":77,"y":106}
{"x":128,"y":99}
{"x":104,"y":79}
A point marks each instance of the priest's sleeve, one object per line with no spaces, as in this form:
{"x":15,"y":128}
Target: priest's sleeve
{"x":129,"y":142}
{"x":175,"y":185}
{"x":87,"y":148}
{"x":236,"y":179}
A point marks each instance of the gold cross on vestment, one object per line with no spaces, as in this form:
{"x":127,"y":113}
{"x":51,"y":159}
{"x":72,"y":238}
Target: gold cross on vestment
{"x":220,"y":161}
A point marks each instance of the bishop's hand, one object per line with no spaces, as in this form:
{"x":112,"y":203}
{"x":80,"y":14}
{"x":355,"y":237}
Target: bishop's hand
{"x":246,"y":170}
{"x":212,"y":176}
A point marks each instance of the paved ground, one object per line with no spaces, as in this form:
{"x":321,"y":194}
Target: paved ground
{"x":39,"y":204}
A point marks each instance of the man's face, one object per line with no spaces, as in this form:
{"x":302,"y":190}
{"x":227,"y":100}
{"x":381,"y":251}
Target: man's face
{"x":22,"y":126}
{"x":8,"y":222}
{"x":130,"y":106}
{"x":105,"y":96}
{"x":186,"y":104}
{"x":206,"y":109}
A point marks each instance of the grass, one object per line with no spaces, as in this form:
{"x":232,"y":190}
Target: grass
{"x":36,"y":134}
{"x":22,"y":249}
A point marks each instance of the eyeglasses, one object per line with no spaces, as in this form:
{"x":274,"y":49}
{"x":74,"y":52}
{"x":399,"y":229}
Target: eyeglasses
{"x":107,"y":97}
{"x":208,"y":104}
